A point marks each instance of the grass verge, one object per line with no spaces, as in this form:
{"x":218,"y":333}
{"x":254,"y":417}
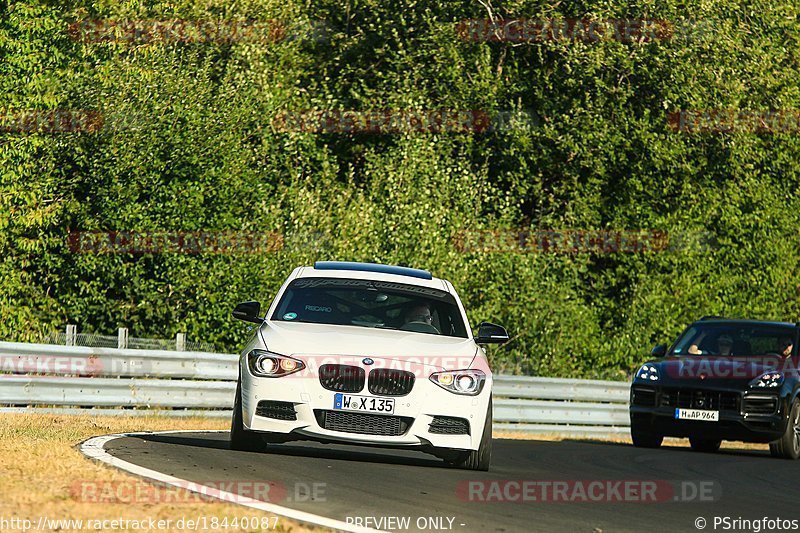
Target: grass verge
{"x":40,"y":467}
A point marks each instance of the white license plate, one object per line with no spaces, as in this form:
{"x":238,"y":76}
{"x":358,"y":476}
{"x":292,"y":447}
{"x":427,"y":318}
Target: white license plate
{"x":369,"y":404}
{"x":697,"y":414}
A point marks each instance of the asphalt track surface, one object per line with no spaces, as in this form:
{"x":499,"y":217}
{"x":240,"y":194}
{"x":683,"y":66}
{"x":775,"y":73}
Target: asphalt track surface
{"x":374,"y":482}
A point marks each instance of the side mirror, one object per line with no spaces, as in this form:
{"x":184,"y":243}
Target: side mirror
{"x":659,"y":350}
{"x":248,"y":311}
{"x":489,"y":333}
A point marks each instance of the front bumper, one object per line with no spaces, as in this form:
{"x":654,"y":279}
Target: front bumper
{"x":417,"y":410}
{"x":739,"y":422}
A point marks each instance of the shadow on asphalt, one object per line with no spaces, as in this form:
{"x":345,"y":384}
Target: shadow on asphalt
{"x":220,"y":443}
{"x":671,"y":447}
{"x":364,"y":454}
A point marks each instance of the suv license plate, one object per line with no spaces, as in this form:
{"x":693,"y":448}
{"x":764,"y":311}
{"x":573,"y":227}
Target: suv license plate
{"x":697,"y":414}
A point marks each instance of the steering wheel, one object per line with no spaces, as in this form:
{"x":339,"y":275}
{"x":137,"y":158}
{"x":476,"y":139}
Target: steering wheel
{"x":420,"y":327}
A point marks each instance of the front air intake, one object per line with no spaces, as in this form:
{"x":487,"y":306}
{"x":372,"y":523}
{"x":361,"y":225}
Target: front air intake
{"x":449,"y":425}
{"x":363,"y":423}
{"x":276,"y":410}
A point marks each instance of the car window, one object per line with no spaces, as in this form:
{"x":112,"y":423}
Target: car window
{"x":736,"y":339}
{"x":371,"y":304}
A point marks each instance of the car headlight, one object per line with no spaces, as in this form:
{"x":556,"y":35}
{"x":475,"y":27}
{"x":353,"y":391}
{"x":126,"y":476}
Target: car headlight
{"x":767,"y":380}
{"x":648,"y":372}
{"x":467,"y":382}
{"x":272,"y":365}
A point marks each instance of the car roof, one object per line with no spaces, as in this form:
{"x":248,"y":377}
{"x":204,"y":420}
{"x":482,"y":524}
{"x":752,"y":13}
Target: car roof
{"x":372,"y":271}
{"x":744,"y":321}
{"x":373,"y":267}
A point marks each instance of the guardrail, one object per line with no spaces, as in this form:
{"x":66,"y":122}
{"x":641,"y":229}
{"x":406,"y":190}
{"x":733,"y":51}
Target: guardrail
{"x":74,"y":379}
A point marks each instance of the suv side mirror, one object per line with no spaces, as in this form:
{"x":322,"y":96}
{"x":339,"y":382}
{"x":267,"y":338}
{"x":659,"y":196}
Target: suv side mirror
{"x":248,"y":311}
{"x":489,"y":333}
{"x":659,"y":350}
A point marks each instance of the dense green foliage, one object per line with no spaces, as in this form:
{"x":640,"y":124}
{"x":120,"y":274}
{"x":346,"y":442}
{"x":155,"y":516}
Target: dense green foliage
{"x":189,"y":144}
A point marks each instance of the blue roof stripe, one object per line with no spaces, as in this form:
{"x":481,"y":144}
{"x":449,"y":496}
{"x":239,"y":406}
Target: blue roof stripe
{"x":373,"y":267}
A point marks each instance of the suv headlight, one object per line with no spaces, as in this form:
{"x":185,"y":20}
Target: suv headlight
{"x":767,"y":380}
{"x":466,"y":382}
{"x":272,"y":365}
{"x":648,"y":372}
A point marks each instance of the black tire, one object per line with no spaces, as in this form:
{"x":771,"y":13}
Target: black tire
{"x":788,"y":446}
{"x":242,"y":439}
{"x":704,"y":445}
{"x":646,"y":439}
{"x":477,"y":459}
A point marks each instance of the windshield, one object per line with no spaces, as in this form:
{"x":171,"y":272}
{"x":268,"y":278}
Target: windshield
{"x":371,"y":304}
{"x":732,"y":339}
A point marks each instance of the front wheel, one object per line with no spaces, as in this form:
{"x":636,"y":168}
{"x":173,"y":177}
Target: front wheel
{"x":788,"y":446}
{"x":241,"y":439}
{"x":478,"y":459}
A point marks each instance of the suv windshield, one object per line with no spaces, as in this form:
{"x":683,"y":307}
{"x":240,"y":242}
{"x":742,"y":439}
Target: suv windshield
{"x":736,"y":339}
{"x":371,"y":304}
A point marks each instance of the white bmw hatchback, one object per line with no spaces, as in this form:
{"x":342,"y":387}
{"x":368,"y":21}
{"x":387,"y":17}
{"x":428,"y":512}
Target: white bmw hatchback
{"x":362,"y":353}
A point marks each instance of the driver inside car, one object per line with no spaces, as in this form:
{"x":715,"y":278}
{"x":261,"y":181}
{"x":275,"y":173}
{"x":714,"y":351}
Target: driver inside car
{"x":785,"y":346}
{"x":724,"y":346}
{"x":418,"y":317}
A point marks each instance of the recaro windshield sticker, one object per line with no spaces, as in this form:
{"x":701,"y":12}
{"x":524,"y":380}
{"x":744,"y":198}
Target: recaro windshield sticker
{"x":318,"y":309}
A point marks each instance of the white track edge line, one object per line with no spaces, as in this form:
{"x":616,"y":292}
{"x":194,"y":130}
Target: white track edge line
{"x":94,"y":448}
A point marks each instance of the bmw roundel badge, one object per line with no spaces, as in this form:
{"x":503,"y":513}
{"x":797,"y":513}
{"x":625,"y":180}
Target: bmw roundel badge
{"x":367,"y":361}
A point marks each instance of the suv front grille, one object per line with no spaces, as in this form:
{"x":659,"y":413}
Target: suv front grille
{"x":365,"y":424}
{"x":699,"y":399}
{"x":276,"y":410}
{"x":390,"y":382}
{"x":449,"y":425}
{"x":342,"y":378}
{"x":760,"y":405}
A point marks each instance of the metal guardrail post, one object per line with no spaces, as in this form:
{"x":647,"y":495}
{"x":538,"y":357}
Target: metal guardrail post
{"x":72,"y":334}
{"x":180,"y":342}
{"x":122,"y":338}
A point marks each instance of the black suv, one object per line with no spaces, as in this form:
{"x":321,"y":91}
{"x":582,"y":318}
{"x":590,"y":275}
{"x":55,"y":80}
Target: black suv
{"x":721,"y":380}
